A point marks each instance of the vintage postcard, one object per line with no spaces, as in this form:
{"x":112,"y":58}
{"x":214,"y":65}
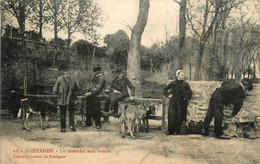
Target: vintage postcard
{"x":130,"y":81}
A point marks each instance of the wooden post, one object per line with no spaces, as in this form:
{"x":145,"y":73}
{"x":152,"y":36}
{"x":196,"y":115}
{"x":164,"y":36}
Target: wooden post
{"x":163,"y":115}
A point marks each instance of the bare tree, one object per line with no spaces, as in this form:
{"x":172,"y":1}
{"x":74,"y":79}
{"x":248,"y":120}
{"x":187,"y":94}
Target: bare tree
{"x":57,"y":13}
{"x":39,"y":16}
{"x":205,"y":27}
{"x":217,"y":63}
{"x":215,"y":14}
{"x":72,"y":20}
{"x":90,"y":19}
{"x":133,"y":63}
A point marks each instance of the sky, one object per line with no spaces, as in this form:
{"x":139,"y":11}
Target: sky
{"x":119,"y":14}
{"x":162,"y":18}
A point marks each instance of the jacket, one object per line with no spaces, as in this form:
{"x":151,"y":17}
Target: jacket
{"x":180,"y":89}
{"x":121,"y":85}
{"x":65,"y":87}
{"x":97,"y":85}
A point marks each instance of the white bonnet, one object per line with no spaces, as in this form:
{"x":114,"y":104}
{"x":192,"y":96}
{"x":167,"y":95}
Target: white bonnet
{"x":178,"y":72}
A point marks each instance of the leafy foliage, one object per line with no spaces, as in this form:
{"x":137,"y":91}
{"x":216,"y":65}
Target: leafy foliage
{"x":117,"y":47}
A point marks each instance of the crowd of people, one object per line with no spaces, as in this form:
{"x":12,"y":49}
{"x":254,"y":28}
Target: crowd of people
{"x":178,"y":91}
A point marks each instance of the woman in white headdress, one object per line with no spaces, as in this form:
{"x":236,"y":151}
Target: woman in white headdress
{"x":181,"y":94}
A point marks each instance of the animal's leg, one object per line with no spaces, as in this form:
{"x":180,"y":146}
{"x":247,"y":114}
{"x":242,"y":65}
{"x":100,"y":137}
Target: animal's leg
{"x":82,"y":120}
{"x":23,"y":123}
{"x":41,"y":121}
{"x":123,"y":129}
{"x":26,"y":121}
{"x":137,"y":126}
{"x":131,"y":127}
{"x":47,"y":122}
{"x":144,"y":124}
{"x":128,"y":126}
{"x":147,"y":125}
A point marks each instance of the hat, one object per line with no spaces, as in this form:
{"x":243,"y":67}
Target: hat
{"x":247,"y":82}
{"x":178,"y":72}
{"x":98,"y":68}
{"x":118,"y":70}
{"x":63,"y":67}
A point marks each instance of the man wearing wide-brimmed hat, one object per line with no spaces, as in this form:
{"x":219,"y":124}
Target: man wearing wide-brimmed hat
{"x":119,"y":90}
{"x":93,"y":102}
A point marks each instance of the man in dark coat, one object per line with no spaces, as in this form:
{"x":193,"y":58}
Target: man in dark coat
{"x":93,"y":94}
{"x":229,"y":93}
{"x":119,"y":90}
{"x":181,"y":94}
{"x":66,"y":87}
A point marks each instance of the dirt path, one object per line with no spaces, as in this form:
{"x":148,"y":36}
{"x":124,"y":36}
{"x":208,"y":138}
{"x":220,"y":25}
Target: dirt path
{"x":106,"y":146}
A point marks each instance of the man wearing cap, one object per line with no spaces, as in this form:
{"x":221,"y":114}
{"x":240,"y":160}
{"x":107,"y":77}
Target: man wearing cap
{"x":93,"y":101}
{"x":119,"y":90}
{"x":229,"y":93}
{"x":179,"y":97}
{"x":66,"y":87}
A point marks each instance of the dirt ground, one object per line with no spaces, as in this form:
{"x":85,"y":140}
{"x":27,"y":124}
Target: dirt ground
{"x":91,"y":145}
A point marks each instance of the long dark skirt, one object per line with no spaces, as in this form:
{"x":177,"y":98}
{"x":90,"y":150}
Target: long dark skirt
{"x":177,"y":114}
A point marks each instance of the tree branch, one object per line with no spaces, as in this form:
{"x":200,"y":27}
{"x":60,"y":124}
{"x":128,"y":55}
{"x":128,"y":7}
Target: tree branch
{"x":177,"y":2}
{"x":192,"y":26}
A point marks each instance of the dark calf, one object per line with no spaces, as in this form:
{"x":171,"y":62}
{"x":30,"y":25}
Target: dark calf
{"x":150,"y":111}
{"x":42,"y":106}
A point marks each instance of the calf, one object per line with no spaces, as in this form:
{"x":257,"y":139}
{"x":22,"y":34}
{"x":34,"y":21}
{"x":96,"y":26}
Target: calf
{"x":43,"y":106}
{"x":151,"y":110}
{"x":127,"y":118}
{"x":131,"y":115}
{"x":80,"y":110}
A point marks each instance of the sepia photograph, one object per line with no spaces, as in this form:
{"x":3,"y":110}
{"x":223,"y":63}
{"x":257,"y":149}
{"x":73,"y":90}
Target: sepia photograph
{"x":130,"y":81}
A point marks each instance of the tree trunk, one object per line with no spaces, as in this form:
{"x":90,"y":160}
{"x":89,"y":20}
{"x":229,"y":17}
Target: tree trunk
{"x":225,"y":51}
{"x":206,"y":33}
{"x":55,"y":28}
{"x":190,"y":70}
{"x":182,"y":32}
{"x":134,"y":59}
{"x":21,"y":22}
{"x":55,"y":23}
{"x":198,"y":62}
{"x":69,"y":27}
{"x":41,"y":20}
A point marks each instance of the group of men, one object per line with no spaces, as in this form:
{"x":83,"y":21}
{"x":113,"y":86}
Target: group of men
{"x":66,"y":87}
{"x":178,"y":90}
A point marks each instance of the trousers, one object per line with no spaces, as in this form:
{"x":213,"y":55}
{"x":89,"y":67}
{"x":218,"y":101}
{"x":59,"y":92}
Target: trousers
{"x":93,"y":111}
{"x":215,"y":109}
{"x":63,"y":113}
